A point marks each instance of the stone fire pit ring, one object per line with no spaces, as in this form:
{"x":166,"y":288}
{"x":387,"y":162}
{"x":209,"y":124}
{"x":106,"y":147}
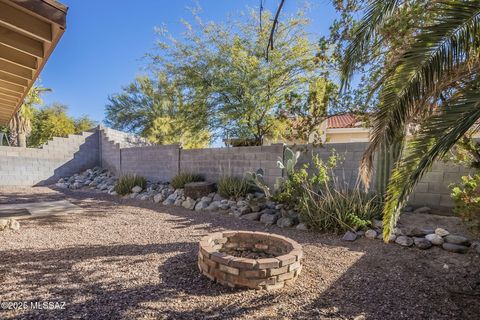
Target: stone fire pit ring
{"x":224,"y":257}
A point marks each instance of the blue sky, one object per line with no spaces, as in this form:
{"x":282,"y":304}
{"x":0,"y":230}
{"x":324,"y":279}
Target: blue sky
{"x":104,"y":43}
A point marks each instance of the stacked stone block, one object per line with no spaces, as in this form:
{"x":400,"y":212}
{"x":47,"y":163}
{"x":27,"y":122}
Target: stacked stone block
{"x":264,"y":273}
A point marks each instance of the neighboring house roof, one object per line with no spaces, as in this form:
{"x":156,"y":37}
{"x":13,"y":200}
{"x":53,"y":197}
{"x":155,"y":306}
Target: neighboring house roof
{"x":344,"y":121}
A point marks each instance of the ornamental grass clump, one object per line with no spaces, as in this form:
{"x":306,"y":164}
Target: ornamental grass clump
{"x":233,"y":187}
{"x":179,"y":181}
{"x":338,"y":208}
{"x":126,"y":182}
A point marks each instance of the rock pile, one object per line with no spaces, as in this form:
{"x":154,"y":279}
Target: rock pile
{"x":421,"y":238}
{"x":253,"y":207}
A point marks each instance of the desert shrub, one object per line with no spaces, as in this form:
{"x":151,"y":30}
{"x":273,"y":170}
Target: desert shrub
{"x":126,"y":182}
{"x":179,"y":181}
{"x":466,"y":196}
{"x":324,"y":203}
{"x":291,"y":189}
{"x":233,"y":187}
{"x":337,"y":208}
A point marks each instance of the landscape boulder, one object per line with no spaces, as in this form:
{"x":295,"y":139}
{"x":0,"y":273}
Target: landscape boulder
{"x":404,"y":241}
{"x":435,"y":239}
{"x":196,"y":190}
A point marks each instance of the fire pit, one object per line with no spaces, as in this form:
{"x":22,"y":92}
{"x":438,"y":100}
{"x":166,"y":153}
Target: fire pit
{"x":246,"y":259}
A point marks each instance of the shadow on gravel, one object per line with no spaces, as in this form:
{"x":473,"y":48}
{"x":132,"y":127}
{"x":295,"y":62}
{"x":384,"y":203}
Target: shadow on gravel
{"x":178,"y":277}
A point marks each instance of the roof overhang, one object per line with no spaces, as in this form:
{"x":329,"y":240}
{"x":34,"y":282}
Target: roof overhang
{"x":29,"y":31}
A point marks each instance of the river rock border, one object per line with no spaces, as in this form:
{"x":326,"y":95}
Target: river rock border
{"x":255,"y":207}
{"x":235,"y":272}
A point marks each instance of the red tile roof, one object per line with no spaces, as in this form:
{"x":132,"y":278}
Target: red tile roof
{"x":342,"y":121}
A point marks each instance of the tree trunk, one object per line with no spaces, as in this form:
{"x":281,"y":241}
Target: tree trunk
{"x":22,"y":139}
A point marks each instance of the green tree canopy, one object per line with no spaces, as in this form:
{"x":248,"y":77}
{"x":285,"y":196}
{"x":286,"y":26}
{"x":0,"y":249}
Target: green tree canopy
{"x":53,"y":121}
{"x":216,"y":81}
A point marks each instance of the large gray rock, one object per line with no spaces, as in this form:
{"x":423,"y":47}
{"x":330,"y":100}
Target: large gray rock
{"x":455,"y":239}
{"x":349,"y":236}
{"x":285,"y":222}
{"x":451,"y":247}
{"x":418,"y":232}
{"x":213,"y":206}
{"x":392,"y":238}
{"x":441,"y":232}
{"x":137,"y":189}
{"x":268,"y":218}
{"x":159,"y":197}
{"x":435,"y":239}
{"x":217,"y":197}
{"x":202,"y":205}
{"x":168,"y":202}
{"x":244,"y":210}
{"x":371,"y":234}
{"x":189,"y":203}
{"x":404,"y":241}
{"x":422,"y":243}
{"x":133,"y":195}
{"x":302,"y":226}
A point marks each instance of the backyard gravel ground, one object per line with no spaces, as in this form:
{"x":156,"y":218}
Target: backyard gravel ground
{"x":127,"y":259}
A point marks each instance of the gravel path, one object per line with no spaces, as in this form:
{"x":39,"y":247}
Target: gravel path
{"x":126,"y":259}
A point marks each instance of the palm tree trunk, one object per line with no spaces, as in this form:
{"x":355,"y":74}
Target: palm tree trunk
{"x":22,"y":139}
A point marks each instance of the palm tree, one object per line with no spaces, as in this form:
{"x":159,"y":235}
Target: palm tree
{"x":21,"y":123}
{"x":434,"y":82}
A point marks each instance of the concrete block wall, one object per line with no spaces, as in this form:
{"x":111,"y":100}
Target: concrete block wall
{"x":158,"y":163}
{"x":215,"y":162}
{"x":349,"y":155}
{"x":109,"y":152}
{"x":123,"y":153}
{"x":59,"y":157}
{"x":433,"y":189}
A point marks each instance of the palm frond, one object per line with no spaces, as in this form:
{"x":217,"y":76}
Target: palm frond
{"x":444,"y":53}
{"x":437,"y":136}
{"x":376,"y":14}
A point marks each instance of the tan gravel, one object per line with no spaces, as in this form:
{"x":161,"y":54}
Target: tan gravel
{"x":126,"y":259}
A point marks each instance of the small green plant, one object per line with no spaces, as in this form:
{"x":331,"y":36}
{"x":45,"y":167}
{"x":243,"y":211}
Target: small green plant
{"x":126,"y":182}
{"x":179,"y":181}
{"x":233,"y":187}
{"x":466,"y":196}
